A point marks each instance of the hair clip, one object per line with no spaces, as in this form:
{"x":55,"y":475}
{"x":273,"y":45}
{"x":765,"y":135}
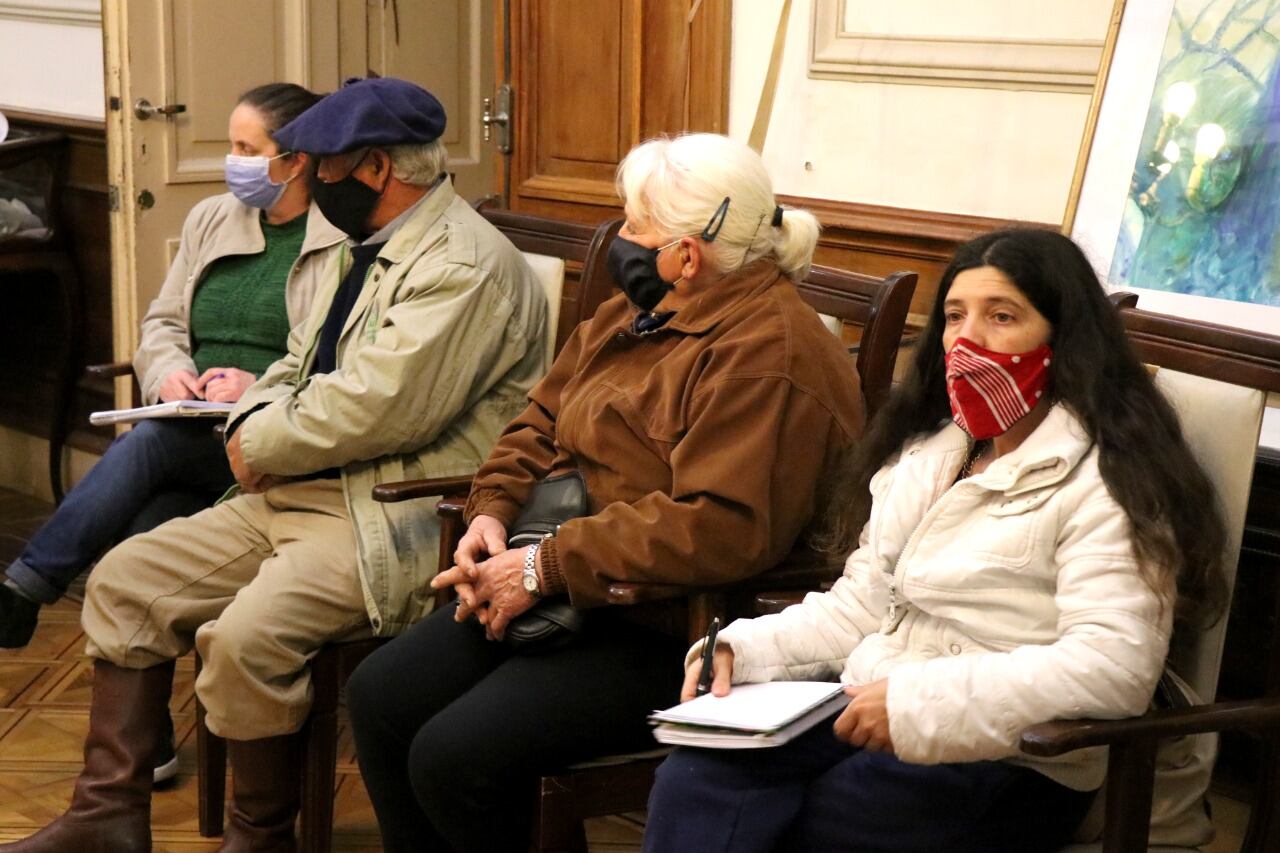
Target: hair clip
{"x":716,"y":222}
{"x":777,"y":217}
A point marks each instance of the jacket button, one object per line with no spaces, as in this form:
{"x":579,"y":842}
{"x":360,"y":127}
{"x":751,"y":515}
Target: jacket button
{"x":955,"y":648}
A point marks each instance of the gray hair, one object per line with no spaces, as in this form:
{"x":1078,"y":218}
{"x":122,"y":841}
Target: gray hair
{"x":676,"y":184}
{"x":418,"y":164}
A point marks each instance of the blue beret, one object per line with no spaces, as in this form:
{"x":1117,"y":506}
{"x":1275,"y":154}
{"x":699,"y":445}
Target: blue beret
{"x":365,"y":112}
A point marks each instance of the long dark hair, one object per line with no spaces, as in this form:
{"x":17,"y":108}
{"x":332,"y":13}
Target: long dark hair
{"x":1178,"y":532}
{"x":278,"y":103}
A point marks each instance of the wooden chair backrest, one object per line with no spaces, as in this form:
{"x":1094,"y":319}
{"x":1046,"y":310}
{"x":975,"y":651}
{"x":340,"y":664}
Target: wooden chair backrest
{"x":879,"y":306}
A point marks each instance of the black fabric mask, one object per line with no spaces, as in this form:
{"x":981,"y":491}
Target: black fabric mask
{"x":347,"y":203}
{"x":635,"y":269}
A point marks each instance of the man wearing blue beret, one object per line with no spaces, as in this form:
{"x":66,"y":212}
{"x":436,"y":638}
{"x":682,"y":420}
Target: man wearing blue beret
{"x":421,"y":350}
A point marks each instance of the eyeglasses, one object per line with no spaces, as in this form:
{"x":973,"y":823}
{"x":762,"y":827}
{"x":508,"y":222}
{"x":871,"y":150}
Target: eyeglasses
{"x":716,"y":222}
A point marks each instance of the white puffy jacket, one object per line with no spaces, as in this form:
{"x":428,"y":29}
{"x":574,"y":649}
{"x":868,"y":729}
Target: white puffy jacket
{"x":1018,"y":600}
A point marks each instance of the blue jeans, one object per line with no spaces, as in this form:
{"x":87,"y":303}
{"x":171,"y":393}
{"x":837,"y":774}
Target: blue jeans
{"x":819,"y":793}
{"x":161,"y":469}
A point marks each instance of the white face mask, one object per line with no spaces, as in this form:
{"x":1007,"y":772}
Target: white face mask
{"x":249,"y":179}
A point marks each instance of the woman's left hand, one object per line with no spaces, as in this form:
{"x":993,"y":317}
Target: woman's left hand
{"x":224,"y":384}
{"x":865,"y":723}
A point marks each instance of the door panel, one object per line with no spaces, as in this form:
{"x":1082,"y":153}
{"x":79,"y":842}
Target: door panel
{"x":592,"y":79}
{"x":447,"y":49}
{"x":196,"y":40}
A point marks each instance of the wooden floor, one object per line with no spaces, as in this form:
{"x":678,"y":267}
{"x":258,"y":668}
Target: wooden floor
{"x":44,"y":713}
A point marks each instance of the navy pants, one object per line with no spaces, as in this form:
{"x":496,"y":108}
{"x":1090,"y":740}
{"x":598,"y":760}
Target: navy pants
{"x":452,"y":730}
{"x":161,"y":469}
{"x":818,"y":793}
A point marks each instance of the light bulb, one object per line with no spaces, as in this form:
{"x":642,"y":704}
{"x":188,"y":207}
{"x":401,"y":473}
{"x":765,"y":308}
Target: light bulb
{"x":1178,"y":99}
{"x":1209,"y":141}
{"x":1172,"y":152}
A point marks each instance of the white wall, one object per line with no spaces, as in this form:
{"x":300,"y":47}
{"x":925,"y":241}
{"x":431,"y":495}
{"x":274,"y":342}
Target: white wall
{"x":989,"y":152}
{"x":51,"y":57}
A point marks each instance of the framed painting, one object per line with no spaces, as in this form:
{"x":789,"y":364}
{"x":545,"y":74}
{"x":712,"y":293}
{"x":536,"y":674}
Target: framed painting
{"x":1177,"y":192}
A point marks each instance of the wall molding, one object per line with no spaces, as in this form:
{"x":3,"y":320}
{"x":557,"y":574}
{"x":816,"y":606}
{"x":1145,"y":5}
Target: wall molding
{"x":1052,"y":65}
{"x":79,"y":13}
{"x":926,"y":234}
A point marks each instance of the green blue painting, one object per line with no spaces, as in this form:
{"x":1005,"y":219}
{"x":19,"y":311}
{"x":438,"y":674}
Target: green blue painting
{"x":1203,"y":211}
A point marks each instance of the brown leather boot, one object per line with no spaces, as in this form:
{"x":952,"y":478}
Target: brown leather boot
{"x":265,"y":784}
{"x":110,"y":811}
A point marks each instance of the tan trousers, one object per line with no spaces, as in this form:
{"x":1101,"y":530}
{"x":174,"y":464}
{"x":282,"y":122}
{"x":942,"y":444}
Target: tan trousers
{"x":258,"y":582}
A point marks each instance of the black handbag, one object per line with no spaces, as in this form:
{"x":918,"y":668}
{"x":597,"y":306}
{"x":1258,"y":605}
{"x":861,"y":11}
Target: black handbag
{"x":552,"y":622}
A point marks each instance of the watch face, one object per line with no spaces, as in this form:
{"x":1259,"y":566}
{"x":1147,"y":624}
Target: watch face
{"x":531,"y":584}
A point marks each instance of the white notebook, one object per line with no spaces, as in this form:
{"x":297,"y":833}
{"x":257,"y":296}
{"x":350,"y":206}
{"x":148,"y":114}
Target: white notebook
{"x":176,"y":409}
{"x":751,"y":716}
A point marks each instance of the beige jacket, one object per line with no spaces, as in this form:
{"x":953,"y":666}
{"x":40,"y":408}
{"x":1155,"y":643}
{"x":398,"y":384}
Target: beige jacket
{"x":438,"y":353}
{"x":218,"y":227}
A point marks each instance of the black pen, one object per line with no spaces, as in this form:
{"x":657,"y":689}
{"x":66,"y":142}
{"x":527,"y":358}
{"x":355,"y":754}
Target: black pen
{"x":708,"y":654}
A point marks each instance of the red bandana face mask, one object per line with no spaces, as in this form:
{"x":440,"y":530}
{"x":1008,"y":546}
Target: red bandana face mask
{"x":991,"y":391}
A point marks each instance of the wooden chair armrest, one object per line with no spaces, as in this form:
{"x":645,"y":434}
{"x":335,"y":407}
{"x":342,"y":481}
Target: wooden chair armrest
{"x":799,"y":571}
{"x":1062,"y":736}
{"x":452,"y":506}
{"x":390,"y":493}
{"x":626,"y":594}
{"x":110,"y":371}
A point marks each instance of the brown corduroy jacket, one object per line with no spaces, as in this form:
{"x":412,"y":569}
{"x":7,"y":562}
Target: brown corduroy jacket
{"x":702,"y":443}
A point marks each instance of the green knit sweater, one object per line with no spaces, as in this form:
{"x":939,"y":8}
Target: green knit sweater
{"x":238,"y":314}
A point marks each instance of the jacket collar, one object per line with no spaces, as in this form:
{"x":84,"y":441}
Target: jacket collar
{"x":410,"y":233}
{"x":241,"y":232}
{"x":719,"y":300}
{"x":1045,"y":458}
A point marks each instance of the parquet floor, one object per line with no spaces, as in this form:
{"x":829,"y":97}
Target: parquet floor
{"x":44,"y":713}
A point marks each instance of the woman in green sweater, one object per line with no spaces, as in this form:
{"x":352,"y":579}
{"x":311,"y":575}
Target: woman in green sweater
{"x":249,"y":263}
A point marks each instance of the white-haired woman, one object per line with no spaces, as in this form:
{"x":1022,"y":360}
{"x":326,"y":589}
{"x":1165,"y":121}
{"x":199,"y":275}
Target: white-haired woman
{"x":700,"y":406}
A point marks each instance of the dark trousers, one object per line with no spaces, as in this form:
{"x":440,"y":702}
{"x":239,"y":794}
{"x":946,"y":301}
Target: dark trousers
{"x":160,"y":469}
{"x":453,"y":730}
{"x":820,"y":793}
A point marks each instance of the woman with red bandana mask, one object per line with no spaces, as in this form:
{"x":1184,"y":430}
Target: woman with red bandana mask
{"x":1027,"y":524}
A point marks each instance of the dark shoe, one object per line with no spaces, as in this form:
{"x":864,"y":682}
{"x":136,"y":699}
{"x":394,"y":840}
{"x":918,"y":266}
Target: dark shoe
{"x":165,"y":765}
{"x":265,"y":785}
{"x":17,"y":618}
{"x":110,"y":811}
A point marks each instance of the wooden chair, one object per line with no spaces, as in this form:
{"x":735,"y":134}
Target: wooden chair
{"x":614,"y":784}
{"x":33,"y":167}
{"x":551,"y":246}
{"x":1217,"y":378}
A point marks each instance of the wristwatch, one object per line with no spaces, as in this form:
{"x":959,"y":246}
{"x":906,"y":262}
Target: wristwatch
{"x":529,"y":578}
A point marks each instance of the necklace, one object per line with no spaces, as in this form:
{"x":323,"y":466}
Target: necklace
{"x":975,"y":453}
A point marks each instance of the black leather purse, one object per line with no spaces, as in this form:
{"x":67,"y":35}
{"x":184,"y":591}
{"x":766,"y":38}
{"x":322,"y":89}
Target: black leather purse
{"x":553,"y":622}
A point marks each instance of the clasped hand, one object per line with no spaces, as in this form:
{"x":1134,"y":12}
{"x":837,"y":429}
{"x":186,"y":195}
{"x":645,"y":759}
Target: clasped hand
{"x":864,"y":723}
{"x":490,"y":589}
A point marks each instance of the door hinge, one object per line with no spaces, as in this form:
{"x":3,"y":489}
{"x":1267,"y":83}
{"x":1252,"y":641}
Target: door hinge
{"x":500,"y":116}
{"x":113,"y":198}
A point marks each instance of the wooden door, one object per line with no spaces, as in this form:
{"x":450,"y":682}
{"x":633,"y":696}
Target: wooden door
{"x":591,"y":79}
{"x":201,"y":55}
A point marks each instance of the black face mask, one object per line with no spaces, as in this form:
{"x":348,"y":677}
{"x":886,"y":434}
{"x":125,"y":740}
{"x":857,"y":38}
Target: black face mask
{"x":635,"y":269}
{"x":347,"y":203}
